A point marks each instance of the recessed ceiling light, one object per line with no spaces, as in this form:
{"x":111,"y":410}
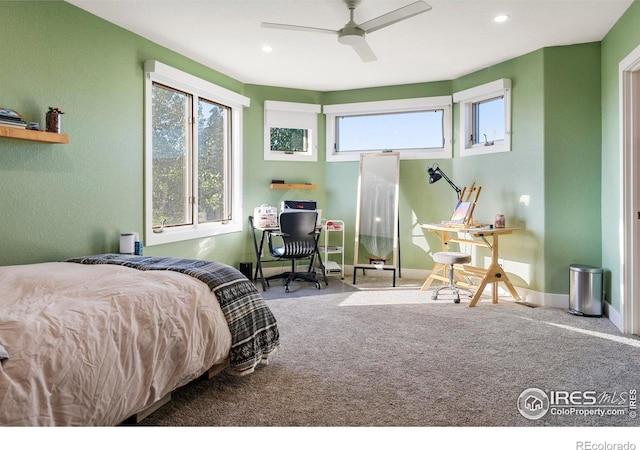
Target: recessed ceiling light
{"x":267,"y":48}
{"x":501,"y":18}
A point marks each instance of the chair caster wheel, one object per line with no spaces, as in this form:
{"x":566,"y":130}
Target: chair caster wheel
{"x":317,"y":285}
{"x":457,"y":300}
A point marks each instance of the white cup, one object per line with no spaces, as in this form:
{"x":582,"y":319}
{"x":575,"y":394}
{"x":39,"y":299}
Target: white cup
{"x":127,"y":241}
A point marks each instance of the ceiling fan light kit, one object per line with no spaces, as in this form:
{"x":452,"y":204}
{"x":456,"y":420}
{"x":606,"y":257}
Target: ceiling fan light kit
{"x":353,"y":34}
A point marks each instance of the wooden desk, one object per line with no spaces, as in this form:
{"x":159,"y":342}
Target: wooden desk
{"x":483,"y":237}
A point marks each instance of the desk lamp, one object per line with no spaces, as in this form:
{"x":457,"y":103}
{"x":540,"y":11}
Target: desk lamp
{"x":435,"y":173}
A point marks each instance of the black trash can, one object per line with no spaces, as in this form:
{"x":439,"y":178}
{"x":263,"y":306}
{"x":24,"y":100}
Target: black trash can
{"x":585,"y":290}
{"x":245,"y":269}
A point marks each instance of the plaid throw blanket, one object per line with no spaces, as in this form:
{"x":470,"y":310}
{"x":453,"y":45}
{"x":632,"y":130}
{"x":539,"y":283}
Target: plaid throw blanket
{"x":254,"y":332}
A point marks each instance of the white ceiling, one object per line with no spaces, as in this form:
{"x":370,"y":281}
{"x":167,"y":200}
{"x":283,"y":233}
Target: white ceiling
{"x":455,"y":38}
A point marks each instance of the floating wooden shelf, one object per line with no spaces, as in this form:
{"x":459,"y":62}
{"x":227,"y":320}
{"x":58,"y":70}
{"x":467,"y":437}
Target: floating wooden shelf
{"x":291,"y":186}
{"x":32,"y":135}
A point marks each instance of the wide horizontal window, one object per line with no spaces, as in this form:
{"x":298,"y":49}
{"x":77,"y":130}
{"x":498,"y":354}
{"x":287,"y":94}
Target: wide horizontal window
{"x":417,"y":128}
{"x":390,"y":131}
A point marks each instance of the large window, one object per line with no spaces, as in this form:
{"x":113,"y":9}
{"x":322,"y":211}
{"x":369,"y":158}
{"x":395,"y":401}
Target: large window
{"x":192,"y":161}
{"x":418,"y":128}
{"x":485,"y":119}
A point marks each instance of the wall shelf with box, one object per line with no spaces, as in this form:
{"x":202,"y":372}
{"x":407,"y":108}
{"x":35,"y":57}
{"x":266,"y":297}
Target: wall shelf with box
{"x":332,"y":247}
{"x":292,"y":186}
{"x":33,"y":135}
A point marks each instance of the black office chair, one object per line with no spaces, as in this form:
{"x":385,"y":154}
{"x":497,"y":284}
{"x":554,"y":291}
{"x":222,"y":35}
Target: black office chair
{"x":299,"y":241}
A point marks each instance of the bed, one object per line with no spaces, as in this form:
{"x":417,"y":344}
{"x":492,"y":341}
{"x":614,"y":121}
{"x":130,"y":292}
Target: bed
{"x":97,"y":340}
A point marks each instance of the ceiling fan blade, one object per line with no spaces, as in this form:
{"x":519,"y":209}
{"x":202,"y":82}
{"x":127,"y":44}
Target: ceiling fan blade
{"x":282,"y":26}
{"x":395,"y":16}
{"x":364,"y":51}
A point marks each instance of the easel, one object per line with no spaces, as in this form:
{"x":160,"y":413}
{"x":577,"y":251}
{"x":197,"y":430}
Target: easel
{"x":468,"y":196}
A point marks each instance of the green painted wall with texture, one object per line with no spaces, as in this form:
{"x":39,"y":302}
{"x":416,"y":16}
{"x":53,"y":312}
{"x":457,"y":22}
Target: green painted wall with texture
{"x":65,"y":200}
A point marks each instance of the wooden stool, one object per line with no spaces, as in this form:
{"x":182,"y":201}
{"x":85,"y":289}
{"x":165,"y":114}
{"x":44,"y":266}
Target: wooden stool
{"x":450,"y":258}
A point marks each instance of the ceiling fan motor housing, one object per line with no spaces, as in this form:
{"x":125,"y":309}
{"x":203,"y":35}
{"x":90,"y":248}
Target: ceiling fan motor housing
{"x":351,"y":35}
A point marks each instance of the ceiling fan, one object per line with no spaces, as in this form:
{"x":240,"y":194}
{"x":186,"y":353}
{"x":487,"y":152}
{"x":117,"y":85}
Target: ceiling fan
{"x":353,"y":34}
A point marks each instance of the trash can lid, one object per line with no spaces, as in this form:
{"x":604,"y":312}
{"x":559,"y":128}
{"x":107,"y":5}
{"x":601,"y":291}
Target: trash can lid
{"x":584,"y":268}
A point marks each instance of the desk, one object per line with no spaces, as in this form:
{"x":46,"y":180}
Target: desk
{"x":483,"y":237}
{"x":258,"y":248}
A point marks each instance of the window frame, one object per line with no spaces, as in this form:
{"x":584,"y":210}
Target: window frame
{"x":301,"y":116}
{"x":390,"y":106}
{"x":466,"y":99}
{"x":170,"y":77}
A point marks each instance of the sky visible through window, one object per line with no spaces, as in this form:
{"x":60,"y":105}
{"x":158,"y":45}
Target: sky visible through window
{"x":488,"y":120}
{"x":395,"y":131}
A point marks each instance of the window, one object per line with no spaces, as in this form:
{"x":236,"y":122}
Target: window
{"x":485,"y":118}
{"x":397,"y":131}
{"x":290,"y":131}
{"x":488,"y":121}
{"x":289,"y":140}
{"x":192,"y":157}
{"x":418,"y":128}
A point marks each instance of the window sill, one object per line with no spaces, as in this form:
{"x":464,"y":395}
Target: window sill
{"x":481,"y":149}
{"x":170,"y":235}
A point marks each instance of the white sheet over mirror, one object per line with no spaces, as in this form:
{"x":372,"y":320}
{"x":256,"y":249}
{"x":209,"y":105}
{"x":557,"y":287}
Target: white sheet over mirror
{"x":376,"y":239}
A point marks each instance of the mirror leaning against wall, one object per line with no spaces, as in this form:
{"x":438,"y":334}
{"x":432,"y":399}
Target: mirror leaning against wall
{"x":376,"y":239}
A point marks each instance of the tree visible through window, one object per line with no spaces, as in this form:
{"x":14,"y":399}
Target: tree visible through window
{"x":213,"y":168}
{"x":289,"y":139}
{"x":179,"y":178}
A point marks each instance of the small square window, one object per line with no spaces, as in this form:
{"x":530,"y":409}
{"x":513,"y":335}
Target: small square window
{"x":290,"y":131}
{"x":485,"y":118}
{"x":488,"y":121}
{"x":289,"y":140}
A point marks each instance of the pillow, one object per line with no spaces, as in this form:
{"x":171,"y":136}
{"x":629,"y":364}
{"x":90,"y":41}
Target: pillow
{"x":3,"y":353}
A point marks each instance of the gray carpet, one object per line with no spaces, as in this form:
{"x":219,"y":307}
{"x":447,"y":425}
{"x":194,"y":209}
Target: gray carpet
{"x":372,"y":355}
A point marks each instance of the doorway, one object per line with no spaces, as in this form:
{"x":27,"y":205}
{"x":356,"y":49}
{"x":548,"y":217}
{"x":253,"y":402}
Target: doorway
{"x":629,"y":70}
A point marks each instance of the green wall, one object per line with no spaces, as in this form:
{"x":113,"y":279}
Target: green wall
{"x":259,"y":173}
{"x":513,"y":183}
{"x":572,"y":136}
{"x":60,"y":201}
{"x":67,"y":200}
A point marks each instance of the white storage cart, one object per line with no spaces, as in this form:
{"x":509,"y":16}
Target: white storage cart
{"x":332,"y":248}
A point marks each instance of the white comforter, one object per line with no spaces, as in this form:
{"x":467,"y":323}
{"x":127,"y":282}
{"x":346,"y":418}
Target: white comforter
{"x":95,"y":344}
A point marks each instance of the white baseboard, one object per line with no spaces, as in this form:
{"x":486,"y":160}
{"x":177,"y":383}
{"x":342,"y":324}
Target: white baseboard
{"x":614,"y":316}
{"x":548,"y":300}
{"x":544,"y":299}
